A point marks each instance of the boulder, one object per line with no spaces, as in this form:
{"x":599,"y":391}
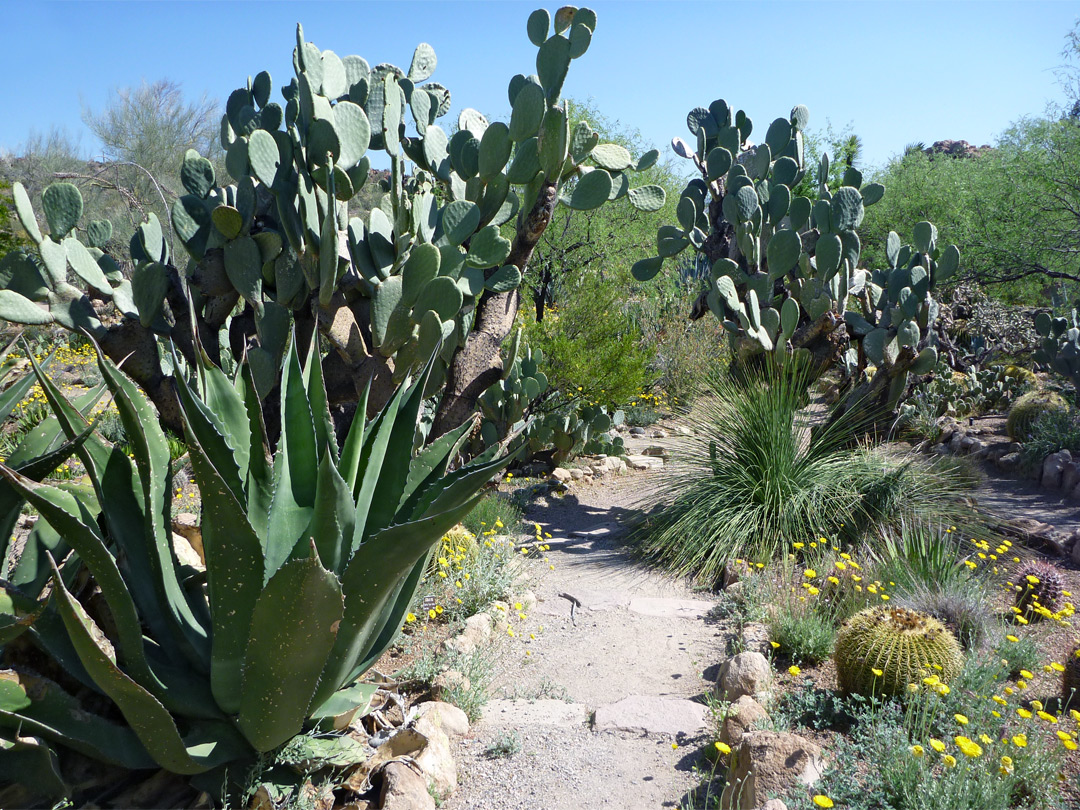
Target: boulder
{"x":452,"y":720}
{"x":436,"y":760}
{"x":476,"y":633}
{"x":747,"y":673}
{"x":655,"y":450}
{"x":766,"y":763}
{"x":562,"y":475}
{"x":404,"y":789}
{"x":646,"y":714}
{"x":755,"y":638}
{"x":1052,"y":467}
{"x":658,"y":433}
{"x":1070,"y":477}
{"x":637,"y":431}
{"x":743,"y":716}
{"x":1009,"y":462}
{"x":644,"y":463}
{"x":577,"y":474}
{"x":969,"y":444}
{"x":185,"y":554}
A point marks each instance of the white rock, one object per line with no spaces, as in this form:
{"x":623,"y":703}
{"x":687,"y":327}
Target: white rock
{"x":452,"y":720}
{"x":644,"y":463}
{"x":646,"y":714}
{"x":436,"y":760}
{"x":562,"y":475}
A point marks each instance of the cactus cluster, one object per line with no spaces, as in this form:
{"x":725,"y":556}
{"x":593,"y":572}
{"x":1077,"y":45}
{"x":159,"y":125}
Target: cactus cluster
{"x":1038,"y":588}
{"x":574,"y":429}
{"x":311,"y":560}
{"x":785,"y":273}
{"x":505,"y":404}
{"x":1028,"y":408}
{"x":386,"y":290}
{"x":904,"y":646}
{"x":1059,"y":345}
{"x":957,"y":393}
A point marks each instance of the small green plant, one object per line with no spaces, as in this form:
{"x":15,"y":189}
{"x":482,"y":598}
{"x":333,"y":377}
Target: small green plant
{"x":494,"y":511}
{"x":1051,"y":431}
{"x":803,"y":635}
{"x":505,"y":745}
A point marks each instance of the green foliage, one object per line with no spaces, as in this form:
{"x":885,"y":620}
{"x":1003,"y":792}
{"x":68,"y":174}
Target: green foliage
{"x":904,"y":646}
{"x":1059,"y":346}
{"x":804,"y":635}
{"x":757,"y":478}
{"x":1028,"y":408}
{"x":311,"y":562}
{"x":506,"y":744}
{"x":494,"y":508}
{"x":591,"y":343}
{"x":954,"y":393}
{"x":1011,"y":207}
{"x":914,"y":555}
{"x":1051,"y":431}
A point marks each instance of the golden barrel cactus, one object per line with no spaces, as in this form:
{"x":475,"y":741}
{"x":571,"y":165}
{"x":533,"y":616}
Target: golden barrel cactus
{"x":880,"y":650}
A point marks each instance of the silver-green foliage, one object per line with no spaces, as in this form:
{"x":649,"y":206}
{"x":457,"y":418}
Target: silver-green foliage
{"x":1059,"y":345}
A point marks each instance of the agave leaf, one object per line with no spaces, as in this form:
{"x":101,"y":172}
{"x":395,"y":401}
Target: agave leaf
{"x":284,"y":659}
{"x":77,"y":525}
{"x":228,"y":412}
{"x":57,"y":716}
{"x":16,"y":392}
{"x":30,"y":762}
{"x":331,"y":527}
{"x":352,"y":450}
{"x":296,"y":468}
{"x":115,"y":482}
{"x":150,"y":721}
{"x":260,"y":478}
{"x":430,"y":465}
{"x":151,"y":451}
{"x":374,"y":573}
{"x":234,"y":573}
{"x":320,"y":407}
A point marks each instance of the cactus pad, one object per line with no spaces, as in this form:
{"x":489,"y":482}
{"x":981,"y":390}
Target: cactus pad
{"x":1028,"y":408}
{"x":905,"y":646}
{"x":1037,"y":585}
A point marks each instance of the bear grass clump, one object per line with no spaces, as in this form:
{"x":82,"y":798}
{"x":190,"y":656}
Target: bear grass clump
{"x":880,"y":650}
{"x":1028,"y":408}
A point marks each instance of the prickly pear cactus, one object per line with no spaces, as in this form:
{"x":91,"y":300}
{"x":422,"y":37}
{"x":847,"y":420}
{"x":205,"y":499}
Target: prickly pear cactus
{"x":903,"y":645}
{"x":785,"y":274}
{"x":1059,"y":345}
{"x":1038,"y":588}
{"x":504,"y":405}
{"x":439,"y":259}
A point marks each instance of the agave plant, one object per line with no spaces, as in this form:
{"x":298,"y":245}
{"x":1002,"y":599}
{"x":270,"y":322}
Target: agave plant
{"x":311,"y":559}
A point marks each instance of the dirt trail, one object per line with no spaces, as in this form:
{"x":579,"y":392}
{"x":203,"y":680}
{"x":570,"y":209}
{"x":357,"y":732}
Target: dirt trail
{"x":633,"y":634}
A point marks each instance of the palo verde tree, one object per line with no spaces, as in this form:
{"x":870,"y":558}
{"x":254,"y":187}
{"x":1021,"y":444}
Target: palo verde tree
{"x":437,"y":266}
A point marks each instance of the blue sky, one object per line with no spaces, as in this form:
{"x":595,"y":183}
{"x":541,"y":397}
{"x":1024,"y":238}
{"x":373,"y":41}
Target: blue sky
{"x":896,"y":71}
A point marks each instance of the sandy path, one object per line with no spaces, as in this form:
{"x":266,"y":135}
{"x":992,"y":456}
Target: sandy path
{"x":635,"y":634}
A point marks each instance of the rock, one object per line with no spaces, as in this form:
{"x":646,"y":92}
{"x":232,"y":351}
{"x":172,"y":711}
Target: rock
{"x":774,"y":804}
{"x":609,"y":465}
{"x":500,"y":611}
{"x":734,"y":572}
{"x":957,"y":437}
{"x":436,"y":760}
{"x":655,"y":450}
{"x":755,"y":638}
{"x":547,"y":713}
{"x":646,"y":714}
{"x":747,"y":673}
{"x":527,"y":600}
{"x":452,"y":720}
{"x":1009,"y":462}
{"x":186,"y":554}
{"x":449,"y":681}
{"x":957,"y":149}
{"x":1070,"y":477}
{"x":1076,"y":553}
{"x":940,"y":450}
{"x":682,"y":430}
{"x":669,"y":608}
{"x":766,"y":763}
{"x":477,"y":632}
{"x":969,"y":444}
{"x":187,"y":526}
{"x":948,"y":428}
{"x":577,"y":474}
{"x":562,"y":475}
{"x":658,"y":433}
{"x":644,"y":463}
{"x":744,"y":715}
{"x":404,"y":789}
{"x":1052,"y":467}
{"x":637,"y":431}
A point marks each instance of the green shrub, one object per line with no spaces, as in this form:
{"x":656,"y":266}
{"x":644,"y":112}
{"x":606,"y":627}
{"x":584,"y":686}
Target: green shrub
{"x":1026,"y":410}
{"x":591,"y":343}
{"x":758,"y":478}
{"x":1051,"y":431}
{"x":804,"y":635}
{"x":492,"y":509}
